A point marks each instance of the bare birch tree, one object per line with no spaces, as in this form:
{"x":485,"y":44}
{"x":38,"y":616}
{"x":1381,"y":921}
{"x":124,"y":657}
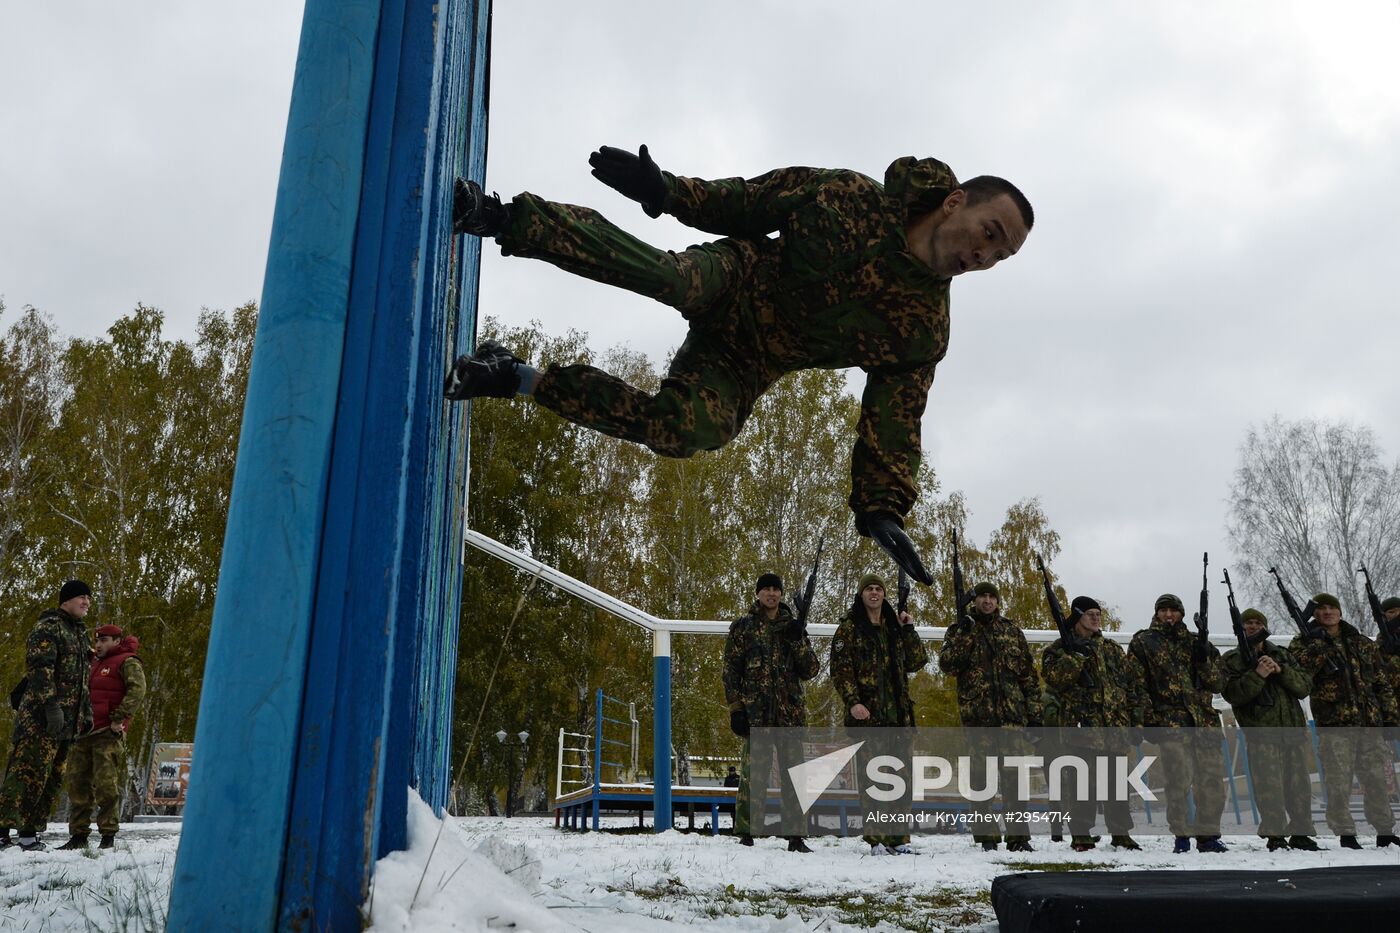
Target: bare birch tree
{"x":1316,"y":499}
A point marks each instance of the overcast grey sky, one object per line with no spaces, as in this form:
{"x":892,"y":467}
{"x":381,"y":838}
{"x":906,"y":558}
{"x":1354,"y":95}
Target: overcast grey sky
{"x":1215,"y":187}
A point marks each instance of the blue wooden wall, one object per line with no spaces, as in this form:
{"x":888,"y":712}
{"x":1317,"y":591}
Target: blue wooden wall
{"x":328,"y":685}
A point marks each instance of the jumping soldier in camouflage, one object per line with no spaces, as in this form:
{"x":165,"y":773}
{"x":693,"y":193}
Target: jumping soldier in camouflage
{"x":1180,"y":675}
{"x":997,"y":687}
{"x":1265,"y":699}
{"x":1100,"y":690}
{"x":54,"y":711}
{"x":97,"y":763}
{"x":873,"y":653}
{"x":1350,"y":689}
{"x":858,"y":276}
{"x":767,"y":655}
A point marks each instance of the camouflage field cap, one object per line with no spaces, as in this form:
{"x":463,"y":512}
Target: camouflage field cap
{"x":1169,"y":601}
{"x":1327,"y":599}
{"x":872,"y":579}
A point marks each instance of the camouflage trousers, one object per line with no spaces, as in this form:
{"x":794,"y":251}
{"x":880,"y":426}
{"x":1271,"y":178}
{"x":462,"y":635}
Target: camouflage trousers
{"x":1014,"y":808}
{"x":717,"y":374}
{"x":1280,"y":772}
{"x":33,"y":777}
{"x":1084,"y":804}
{"x":787,"y":752}
{"x":1191,"y":758}
{"x":96,"y":772}
{"x":883,"y":743}
{"x":1349,"y":754}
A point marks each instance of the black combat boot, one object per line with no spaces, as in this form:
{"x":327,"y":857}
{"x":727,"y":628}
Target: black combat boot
{"x":1182,"y":844}
{"x":745,"y":839}
{"x":1386,"y":839}
{"x":1276,"y":843}
{"x":1349,"y":842}
{"x":989,"y":845}
{"x":1210,"y":844}
{"x":1082,"y":843}
{"x":796,"y":844}
{"x":1304,"y":844}
{"x":1019,"y":844}
{"x":490,"y":371}
{"x":5,"y":840}
{"x":109,"y":841}
{"x":1126,"y":842}
{"x":476,"y":212}
{"x":74,"y":842}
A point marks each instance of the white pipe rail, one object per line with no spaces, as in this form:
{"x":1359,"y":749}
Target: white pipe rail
{"x":630,"y":613}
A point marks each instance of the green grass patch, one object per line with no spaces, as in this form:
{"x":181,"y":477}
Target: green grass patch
{"x":899,"y":906}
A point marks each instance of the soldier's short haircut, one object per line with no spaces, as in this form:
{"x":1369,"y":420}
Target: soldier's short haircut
{"x":985,"y":187}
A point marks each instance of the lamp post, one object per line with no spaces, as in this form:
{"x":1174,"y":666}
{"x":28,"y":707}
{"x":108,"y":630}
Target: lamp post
{"x":517,"y":744}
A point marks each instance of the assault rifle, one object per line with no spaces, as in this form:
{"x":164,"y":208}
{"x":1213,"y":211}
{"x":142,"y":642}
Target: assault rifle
{"x":1384,"y":633}
{"x":1057,"y":612}
{"x":1201,"y":619}
{"x":961,"y":598}
{"x":1248,"y":655}
{"x":810,"y":592}
{"x":902,"y":602}
{"x":1301,"y":616}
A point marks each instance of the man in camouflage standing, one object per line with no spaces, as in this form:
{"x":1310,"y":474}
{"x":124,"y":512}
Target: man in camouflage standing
{"x":767,"y":655}
{"x":97,"y":764}
{"x":1100,"y":704}
{"x":873,"y":653}
{"x":1265,"y":699}
{"x":1390,"y":647}
{"x":1181,"y":672}
{"x":997,"y":688}
{"x":1351,"y":702}
{"x":858,"y":276}
{"x":53,"y":712}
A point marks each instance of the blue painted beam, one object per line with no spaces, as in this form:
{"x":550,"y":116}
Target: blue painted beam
{"x":661,"y":730}
{"x":228,"y":870}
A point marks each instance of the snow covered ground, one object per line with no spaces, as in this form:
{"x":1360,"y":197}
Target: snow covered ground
{"x":522,"y":874}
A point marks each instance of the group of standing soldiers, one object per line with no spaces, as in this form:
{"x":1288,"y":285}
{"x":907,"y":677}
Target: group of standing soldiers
{"x":72,"y":712}
{"x":1093,"y":690}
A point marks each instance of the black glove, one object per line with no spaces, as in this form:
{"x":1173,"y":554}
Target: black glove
{"x":797,"y":629}
{"x":633,"y":176}
{"x":739,"y":723}
{"x":1202,"y":651}
{"x":888,"y":532}
{"x":1080,"y":646}
{"x":53,"y":719}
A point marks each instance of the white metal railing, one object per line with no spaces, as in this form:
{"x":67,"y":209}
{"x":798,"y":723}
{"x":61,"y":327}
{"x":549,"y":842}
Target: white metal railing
{"x":585,"y":756}
{"x":630,"y":613}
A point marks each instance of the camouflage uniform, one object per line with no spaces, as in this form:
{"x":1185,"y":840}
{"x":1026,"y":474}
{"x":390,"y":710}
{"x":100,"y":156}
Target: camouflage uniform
{"x":997,"y":686}
{"x":764,"y":667}
{"x":1191,"y":756}
{"x":97,"y":762}
{"x":1280,"y":757}
{"x":1355,"y":694}
{"x":837,"y":288}
{"x":870,"y":666}
{"x":56,"y":675}
{"x":1101,"y":690}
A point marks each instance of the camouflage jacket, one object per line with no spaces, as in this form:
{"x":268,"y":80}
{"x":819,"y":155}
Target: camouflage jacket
{"x":838,"y":288}
{"x":56,"y":671}
{"x":764,"y":668}
{"x":1110,"y":694}
{"x":1162,"y":655}
{"x":1244,"y":689}
{"x":871,"y":666}
{"x":1349,"y":686}
{"x":1390,"y":663}
{"x":997,"y":680}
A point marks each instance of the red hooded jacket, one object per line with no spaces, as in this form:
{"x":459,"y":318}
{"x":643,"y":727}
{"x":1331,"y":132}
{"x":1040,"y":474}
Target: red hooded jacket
{"x":106,"y":685}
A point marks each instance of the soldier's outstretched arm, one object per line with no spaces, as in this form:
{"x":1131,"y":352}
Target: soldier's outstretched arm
{"x":885,"y":460}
